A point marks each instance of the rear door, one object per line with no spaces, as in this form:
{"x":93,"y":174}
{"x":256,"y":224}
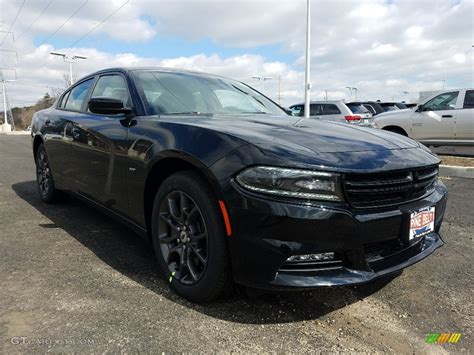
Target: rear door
{"x":435,"y":123}
{"x":60,"y":147}
{"x":100,"y":147}
{"x":465,"y":119}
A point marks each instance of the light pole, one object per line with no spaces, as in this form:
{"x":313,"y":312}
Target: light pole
{"x":352,"y":88}
{"x":262,"y":79}
{"x":307,"y":84}
{"x":69,"y":59}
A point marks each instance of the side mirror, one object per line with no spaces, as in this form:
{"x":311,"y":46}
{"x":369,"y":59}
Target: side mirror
{"x":420,"y":108}
{"x":107,"y":106}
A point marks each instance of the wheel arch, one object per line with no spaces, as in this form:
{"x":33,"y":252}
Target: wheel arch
{"x":37,"y":141}
{"x":395,"y":129}
{"x":165,"y":166}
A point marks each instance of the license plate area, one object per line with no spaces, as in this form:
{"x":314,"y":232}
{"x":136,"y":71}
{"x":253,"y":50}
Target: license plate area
{"x":421,"y":223}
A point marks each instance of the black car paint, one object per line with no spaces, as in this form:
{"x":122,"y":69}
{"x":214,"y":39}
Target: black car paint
{"x":110,"y":161}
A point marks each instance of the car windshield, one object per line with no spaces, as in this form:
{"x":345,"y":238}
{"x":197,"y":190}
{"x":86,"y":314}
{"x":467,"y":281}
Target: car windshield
{"x":357,"y":108}
{"x":168,"y":93}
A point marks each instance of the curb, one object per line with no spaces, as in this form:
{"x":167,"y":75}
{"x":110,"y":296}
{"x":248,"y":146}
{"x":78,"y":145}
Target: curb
{"x":456,"y":171}
{"x":16,"y":133}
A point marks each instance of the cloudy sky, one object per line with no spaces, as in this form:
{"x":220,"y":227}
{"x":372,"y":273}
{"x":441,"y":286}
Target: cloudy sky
{"x":384,"y":48}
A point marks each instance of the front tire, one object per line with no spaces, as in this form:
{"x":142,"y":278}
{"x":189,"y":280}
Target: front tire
{"x":189,"y":238}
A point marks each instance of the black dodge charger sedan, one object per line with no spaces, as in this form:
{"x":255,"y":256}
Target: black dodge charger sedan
{"x":228,"y":188}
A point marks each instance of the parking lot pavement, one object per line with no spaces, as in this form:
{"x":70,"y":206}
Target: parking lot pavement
{"x":72,"y":279}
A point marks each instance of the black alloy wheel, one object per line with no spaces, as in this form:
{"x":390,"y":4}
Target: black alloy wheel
{"x":189,"y":238}
{"x":183,"y":237}
{"x":43,"y":173}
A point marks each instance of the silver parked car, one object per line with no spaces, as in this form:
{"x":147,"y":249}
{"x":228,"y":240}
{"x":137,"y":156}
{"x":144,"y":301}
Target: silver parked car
{"x":336,"y":111}
{"x":445,"y":118}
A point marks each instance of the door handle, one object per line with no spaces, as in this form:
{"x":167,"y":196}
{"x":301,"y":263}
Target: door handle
{"x":76,"y":133}
{"x":447,"y":116}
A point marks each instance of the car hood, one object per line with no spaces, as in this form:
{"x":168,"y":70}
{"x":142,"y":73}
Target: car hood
{"x":303,"y":134}
{"x":395,"y":113}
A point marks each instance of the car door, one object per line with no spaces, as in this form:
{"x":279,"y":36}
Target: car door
{"x":100,"y":147}
{"x":57,"y":137}
{"x":434,"y":121}
{"x":465,"y":119}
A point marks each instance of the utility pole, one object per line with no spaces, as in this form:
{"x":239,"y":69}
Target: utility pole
{"x":262,"y":79}
{"x":307,"y":84}
{"x":6,"y":127}
{"x":69,"y":59}
{"x":325,"y":95}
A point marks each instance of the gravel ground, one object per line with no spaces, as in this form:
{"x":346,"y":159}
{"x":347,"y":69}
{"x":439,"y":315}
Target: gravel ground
{"x":456,"y":161}
{"x":73,"y":280}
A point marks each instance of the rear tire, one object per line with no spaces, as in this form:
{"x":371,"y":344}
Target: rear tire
{"x":189,"y":238}
{"x":44,"y":178}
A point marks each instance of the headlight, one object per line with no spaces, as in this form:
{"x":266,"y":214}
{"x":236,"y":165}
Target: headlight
{"x":304,"y":184}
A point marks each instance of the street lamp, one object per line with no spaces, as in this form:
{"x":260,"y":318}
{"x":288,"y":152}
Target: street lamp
{"x":262,"y":79}
{"x":307,"y":84}
{"x":352,"y":88}
{"x":69,"y":59}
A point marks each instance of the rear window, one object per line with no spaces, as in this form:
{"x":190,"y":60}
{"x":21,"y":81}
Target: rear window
{"x":357,"y":108}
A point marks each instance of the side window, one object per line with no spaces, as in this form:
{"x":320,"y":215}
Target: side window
{"x":330,"y":109}
{"x":64,"y":99}
{"x":112,"y":86}
{"x":297,"y":110}
{"x":469,"y":99}
{"x":446,"y":101}
{"x":78,"y":95}
{"x":314,"y":110}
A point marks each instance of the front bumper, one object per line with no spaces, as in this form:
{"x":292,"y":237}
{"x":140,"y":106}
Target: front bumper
{"x":367,"y":243}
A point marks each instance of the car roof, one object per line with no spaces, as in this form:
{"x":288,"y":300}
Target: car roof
{"x":126,"y":70}
{"x":321,"y":102}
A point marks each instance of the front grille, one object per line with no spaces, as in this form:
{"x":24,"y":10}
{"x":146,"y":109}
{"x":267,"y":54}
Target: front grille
{"x":389,"y":188}
{"x":381,"y":249}
{"x":311,"y":266}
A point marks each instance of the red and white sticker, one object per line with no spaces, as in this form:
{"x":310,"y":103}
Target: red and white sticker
{"x":421,"y":222}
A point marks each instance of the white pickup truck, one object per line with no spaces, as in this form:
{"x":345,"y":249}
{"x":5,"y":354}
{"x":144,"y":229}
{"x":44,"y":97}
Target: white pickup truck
{"x":445,"y":118}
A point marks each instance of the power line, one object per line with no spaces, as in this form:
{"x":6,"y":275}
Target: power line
{"x":13,"y":22}
{"x":65,"y":22}
{"x":100,"y":23}
{"x":36,"y":19}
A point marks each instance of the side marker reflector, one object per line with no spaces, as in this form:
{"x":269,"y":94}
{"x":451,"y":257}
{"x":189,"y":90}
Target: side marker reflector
{"x":225,"y":215}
